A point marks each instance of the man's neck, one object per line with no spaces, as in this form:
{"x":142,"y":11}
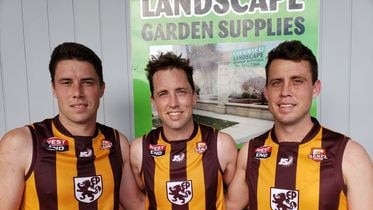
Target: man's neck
{"x":293,"y":132}
{"x":178,"y":134}
{"x":79,"y":129}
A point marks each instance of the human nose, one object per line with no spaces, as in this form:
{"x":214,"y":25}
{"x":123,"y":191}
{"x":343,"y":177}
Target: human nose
{"x":77,"y":90}
{"x":173,"y":100}
{"x":286,"y":89}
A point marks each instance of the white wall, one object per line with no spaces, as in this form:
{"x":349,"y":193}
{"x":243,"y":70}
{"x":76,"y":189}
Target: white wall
{"x":29,"y":30}
{"x":346,"y":68}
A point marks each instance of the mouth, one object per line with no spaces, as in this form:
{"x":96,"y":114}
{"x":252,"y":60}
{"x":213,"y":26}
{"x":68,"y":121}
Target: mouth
{"x":286,"y":105}
{"x":79,"y":106}
{"x":175,"y":115}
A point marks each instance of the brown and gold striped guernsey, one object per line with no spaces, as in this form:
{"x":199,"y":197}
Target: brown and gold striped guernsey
{"x":293,"y":176}
{"x":183,"y":175}
{"x":73,"y":172}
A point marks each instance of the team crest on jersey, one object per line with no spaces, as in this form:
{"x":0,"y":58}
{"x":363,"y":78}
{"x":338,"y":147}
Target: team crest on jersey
{"x":156,"y":150}
{"x":106,"y":144}
{"x":56,"y":144}
{"x":179,"y":192}
{"x":318,"y":154}
{"x":263,"y":152}
{"x":283,"y":199}
{"x":201,"y":147}
{"x":88,"y":189}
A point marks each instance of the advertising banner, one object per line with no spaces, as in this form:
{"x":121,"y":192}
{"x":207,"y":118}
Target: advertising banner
{"x":226,"y":41}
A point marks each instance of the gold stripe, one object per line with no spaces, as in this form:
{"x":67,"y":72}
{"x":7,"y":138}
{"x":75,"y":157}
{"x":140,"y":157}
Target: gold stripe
{"x":220,"y":193}
{"x":64,"y":172}
{"x":342,"y":201}
{"x":31,"y":200}
{"x":195,"y":173}
{"x":308,"y":173}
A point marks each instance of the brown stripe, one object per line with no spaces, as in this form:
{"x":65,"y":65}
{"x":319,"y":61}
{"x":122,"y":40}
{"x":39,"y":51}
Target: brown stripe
{"x":43,"y":184}
{"x":148,"y":162}
{"x":34,"y":152}
{"x":252,"y":169}
{"x":331,"y":178}
{"x":45,"y":177}
{"x":178,"y":170}
{"x":285,"y":175}
{"x":210,"y":166}
{"x":116,"y":163}
{"x":85,"y":165}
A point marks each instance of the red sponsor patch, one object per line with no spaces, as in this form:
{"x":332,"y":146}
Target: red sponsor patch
{"x":263,"y":152}
{"x":56,"y":144}
{"x":157,"y":150}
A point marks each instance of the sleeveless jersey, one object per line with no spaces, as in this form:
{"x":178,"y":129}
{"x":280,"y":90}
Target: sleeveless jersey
{"x":292,"y":176}
{"x":73,"y":172}
{"x":183,"y":175}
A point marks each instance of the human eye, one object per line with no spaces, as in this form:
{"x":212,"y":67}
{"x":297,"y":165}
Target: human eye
{"x":65,"y":82}
{"x":88,"y":82}
{"x":275,"y":83}
{"x":162,"y":94}
{"x":181,"y":92}
{"x":298,"y":81}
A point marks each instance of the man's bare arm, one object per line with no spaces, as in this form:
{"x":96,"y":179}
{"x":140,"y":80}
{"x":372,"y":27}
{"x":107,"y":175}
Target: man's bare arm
{"x":358,"y":174}
{"x":15,"y":160}
{"x":130,"y":195}
{"x":237,"y":197}
{"x":227,"y":154}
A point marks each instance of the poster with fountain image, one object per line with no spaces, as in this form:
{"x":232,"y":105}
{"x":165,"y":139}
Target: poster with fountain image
{"x":227,"y":43}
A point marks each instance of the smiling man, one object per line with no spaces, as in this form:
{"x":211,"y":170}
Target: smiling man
{"x":69,"y":161}
{"x":182,"y":164}
{"x":299,"y":164}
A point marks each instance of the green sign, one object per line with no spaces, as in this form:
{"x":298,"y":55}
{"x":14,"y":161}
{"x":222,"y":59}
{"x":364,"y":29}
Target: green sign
{"x":228,"y":38}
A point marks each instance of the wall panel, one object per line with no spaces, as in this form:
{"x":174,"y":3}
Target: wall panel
{"x":37,"y":59}
{"x":61,"y":22}
{"x":335,"y":62}
{"x":361,"y":101}
{"x":117,"y":70}
{"x":14,"y":74}
{"x":2,"y":113}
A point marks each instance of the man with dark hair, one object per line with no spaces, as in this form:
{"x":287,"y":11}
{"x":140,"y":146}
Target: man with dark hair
{"x":69,"y":161}
{"x":299,"y":164}
{"x":182,"y":164}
